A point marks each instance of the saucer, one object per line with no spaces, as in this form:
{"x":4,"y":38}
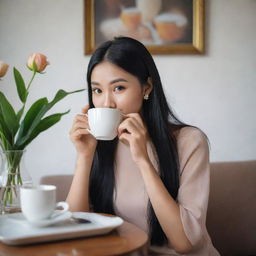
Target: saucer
{"x":45,"y":222}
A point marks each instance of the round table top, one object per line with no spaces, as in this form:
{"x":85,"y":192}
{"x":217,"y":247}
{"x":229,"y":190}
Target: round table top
{"x":125,"y":239}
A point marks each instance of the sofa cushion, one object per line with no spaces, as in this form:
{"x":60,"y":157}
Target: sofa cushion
{"x":231,"y":216}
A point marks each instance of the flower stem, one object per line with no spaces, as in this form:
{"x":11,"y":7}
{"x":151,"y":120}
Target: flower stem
{"x":14,"y":179}
{"x":32,"y":78}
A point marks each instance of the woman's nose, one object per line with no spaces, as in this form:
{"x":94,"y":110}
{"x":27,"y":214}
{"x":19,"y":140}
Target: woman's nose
{"x":108,"y":101}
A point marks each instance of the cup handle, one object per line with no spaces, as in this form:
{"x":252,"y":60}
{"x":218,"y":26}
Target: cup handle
{"x":65,"y":207}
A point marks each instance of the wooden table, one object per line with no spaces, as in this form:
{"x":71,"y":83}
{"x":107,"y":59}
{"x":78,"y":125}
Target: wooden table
{"x":125,"y":239}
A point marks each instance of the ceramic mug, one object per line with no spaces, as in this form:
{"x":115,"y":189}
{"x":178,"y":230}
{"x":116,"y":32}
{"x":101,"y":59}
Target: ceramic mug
{"x":103,"y":122}
{"x":39,"y":202}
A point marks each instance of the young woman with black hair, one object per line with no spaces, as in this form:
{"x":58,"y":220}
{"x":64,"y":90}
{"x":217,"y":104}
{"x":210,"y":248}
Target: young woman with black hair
{"x":155,"y":174}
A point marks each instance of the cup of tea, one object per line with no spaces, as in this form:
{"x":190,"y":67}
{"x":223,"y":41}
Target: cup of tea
{"x":131,"y":18}
{"x":103,"y":122}
{"x":39,"y":202}
{"x":170,"y":26}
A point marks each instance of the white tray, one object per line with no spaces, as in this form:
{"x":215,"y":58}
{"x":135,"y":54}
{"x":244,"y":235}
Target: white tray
{"x":15,"y":232}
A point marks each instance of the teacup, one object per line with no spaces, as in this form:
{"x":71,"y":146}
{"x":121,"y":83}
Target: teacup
{"x":39,"y":202}
{"x":170,"y":26}
{"x":103,"y":122}
{"x":131,"y":18}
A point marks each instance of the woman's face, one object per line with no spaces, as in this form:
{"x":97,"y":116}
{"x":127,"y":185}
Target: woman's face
{"x":113,"y":87}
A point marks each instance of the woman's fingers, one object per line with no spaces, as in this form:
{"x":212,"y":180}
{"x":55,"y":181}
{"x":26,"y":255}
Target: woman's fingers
{"x":80,"y":117}
{"x":125,"y":138}
{"x":137,"y":117}
{"x":79,"y":132}
{"x":132,"y":131}
{"x":85,"y":109}
{"x":128,"y":125}
{"x":79,"y":127}
{"x":132,"y":124}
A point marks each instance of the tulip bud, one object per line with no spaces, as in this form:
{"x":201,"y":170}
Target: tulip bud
{"x":3,"y":68}
{"x":37,"y":62}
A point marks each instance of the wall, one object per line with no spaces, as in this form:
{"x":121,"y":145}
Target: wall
{"x":215,"y":91}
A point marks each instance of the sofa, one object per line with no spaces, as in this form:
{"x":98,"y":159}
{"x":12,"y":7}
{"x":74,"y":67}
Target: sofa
{"x":231,"y":216}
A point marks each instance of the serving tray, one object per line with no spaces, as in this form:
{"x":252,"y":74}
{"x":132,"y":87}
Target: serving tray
{"x":15,"y":230}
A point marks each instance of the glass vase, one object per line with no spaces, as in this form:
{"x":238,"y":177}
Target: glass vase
{"x":13,"y":174}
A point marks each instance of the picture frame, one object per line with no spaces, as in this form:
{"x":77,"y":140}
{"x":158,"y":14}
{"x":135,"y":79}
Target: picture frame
{"x":164,"y":26}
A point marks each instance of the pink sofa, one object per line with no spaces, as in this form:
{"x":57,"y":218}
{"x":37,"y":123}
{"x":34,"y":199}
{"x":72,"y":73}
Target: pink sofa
{"x":231,"y":217}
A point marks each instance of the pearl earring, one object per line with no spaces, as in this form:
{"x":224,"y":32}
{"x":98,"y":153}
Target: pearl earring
{"x":146,"y":97}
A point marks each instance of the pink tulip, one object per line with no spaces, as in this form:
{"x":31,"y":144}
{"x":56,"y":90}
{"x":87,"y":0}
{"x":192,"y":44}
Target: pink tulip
{"x":40,"y":61}
{"x":3,"y":68}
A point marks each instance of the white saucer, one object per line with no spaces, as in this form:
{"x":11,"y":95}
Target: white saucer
{"x":42,"y":223}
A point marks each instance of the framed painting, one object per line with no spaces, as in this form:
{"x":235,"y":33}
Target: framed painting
{"x":163,"y":26}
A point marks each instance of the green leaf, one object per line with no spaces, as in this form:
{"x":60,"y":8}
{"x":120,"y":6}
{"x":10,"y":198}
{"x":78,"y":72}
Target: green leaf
{"x":8,"y":118}
{"x":60,"y":95}
{"x":7,"y":134}
{"x":30,"y":117}
{"x":33,"y":117}
{"x":19,"y":113}
{"x":21,"y":88}
{"x":43,"y":125}
{"x":4,"y":143}
{"x":36,"y":119}
{"x":49,"y":121}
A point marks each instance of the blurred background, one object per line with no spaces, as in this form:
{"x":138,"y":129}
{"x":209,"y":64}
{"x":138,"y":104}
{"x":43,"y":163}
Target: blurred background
{"x":215,"y":91}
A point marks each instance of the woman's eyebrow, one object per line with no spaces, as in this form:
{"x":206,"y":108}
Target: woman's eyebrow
{"x":94,"y":83}
{"x":111,"y":82}
{"x":118,"y":80}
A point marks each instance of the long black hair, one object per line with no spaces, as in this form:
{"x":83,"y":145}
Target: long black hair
{"x":133,"y":57}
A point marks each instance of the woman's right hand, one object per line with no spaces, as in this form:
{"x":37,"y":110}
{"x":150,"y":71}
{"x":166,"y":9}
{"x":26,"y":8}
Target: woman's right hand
{"x":84,"y":142}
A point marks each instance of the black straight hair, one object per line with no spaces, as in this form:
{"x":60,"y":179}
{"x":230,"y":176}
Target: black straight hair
{"x":133,"y":57}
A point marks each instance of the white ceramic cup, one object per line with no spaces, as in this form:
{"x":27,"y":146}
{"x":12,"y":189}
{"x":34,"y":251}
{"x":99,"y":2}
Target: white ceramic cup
{"x":103,"y":122}
{"x":39,"y":202}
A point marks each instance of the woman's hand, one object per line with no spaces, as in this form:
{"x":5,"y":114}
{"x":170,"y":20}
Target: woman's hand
{"x":84,"y":142}
{"x":132,"y":131}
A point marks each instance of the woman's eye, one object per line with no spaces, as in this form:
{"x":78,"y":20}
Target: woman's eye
{"x":118,"y":88}
{"x":96,"y":90}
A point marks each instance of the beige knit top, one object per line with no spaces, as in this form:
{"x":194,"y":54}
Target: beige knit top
{"x":131,"y":199}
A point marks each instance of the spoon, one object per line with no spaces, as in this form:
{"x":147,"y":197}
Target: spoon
{"x":80,"y":220}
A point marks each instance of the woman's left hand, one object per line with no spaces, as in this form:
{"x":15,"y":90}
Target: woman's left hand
{"x":133,"y":131}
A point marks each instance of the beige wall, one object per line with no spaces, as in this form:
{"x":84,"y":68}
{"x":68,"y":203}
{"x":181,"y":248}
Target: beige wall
{"x":215,"y":91}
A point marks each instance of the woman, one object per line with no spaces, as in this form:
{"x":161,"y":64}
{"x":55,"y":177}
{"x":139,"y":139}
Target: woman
{"x":155,"y":174}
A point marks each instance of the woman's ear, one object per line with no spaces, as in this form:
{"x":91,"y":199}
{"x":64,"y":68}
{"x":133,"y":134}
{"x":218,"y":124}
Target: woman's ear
{"x":148,"y":87}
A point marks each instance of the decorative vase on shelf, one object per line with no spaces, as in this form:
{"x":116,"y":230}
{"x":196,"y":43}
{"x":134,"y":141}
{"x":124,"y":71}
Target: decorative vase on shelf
{"x":13,"y":174}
